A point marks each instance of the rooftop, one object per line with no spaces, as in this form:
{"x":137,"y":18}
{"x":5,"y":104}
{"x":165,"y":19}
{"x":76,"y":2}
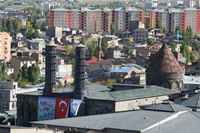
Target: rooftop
{"x":24,"y":58}
{"x":132,"y":94}
{"x":124,"y":120}
{"x":167,"y":107}
{"x":164,"y":62}
{"x":115,"y":61}
{"x":192,"y":102}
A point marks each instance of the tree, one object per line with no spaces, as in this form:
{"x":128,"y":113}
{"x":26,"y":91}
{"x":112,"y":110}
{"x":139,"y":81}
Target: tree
{"x":147,"y":23}
{"x":173,"y":47}
{"x":149,"y":40}
{"x":104,"y":44}
{"x":29,"y":25}
{"x":130,"y":40}
{"x":47,"y":22}
{"x":33,"y":73}
{"x":37,"y":26}
{"x":67,"y":49}
{"x":4,"y":71}
{"x":30,"y":34}
{"x":4,"y":25}
{"x":159,"y":26}
{"x":14,"y":76}
{"x":23,"y":71}
{"x":93,"y":48}
{"x":43,"y":27}
{"x":72,"y":55}
{"x":35,"y":34}
{"x":16,"y":25}
{"x":19,"y":77}
{"x":178,"y":28}
{"x":9,"y":24}
{"x":82,"y":40}
{"x":1,"y":28}
{"x":112,"y":29}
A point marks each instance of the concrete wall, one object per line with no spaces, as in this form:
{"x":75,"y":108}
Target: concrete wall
{"x":13,"y":129}
{"x":65,"y":68}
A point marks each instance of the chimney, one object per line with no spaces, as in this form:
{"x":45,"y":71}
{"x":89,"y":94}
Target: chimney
{"x":50,"y":71}
{"x":99,"y":49}
{"x":79,"y":72}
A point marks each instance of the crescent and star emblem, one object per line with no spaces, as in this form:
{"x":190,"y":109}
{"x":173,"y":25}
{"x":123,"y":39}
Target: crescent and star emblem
{"x":63,"y":102}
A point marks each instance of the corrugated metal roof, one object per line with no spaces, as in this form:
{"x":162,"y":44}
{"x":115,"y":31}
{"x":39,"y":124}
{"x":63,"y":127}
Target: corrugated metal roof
{"x":193,"y":102}
{"x":184,"y":123}
{"x":133,"y":94}
{"x":167,"y":107}
{"x":131,"y":121}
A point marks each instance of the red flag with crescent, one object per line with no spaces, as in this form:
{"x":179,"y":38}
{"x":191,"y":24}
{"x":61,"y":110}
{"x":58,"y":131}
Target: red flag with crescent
{"x":62,"y":107}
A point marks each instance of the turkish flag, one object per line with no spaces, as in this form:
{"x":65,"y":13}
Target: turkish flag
{"x":62,"y":107}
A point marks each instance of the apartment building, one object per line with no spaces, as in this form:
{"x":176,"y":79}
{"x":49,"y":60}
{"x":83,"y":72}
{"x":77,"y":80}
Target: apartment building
{"x":95,"y":20}
{"x":170,"y":19}
{"x":5,"y":46}
{"x":190,"y":17}
{"x":8,"y":95}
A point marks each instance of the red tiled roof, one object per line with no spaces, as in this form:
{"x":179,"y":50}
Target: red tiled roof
{"x":164,"y":62}
{"x":91,"y":61}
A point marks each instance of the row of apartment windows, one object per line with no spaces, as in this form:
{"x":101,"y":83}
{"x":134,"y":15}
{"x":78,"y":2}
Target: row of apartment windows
{"x":4,"y":105}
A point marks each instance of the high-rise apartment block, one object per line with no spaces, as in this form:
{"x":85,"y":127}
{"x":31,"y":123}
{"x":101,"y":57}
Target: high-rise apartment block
{"x":95,"y":20}
{"x":170,"y":19}
{"x":5,"y":46}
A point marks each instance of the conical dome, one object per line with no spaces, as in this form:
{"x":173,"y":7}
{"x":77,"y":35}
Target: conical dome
{"x":164,"y":62}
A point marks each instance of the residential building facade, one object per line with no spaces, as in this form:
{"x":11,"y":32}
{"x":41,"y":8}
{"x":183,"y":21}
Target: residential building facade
{"x":5,"y":46}
{"x":170,"y":19}
{"x":8,"y":95}
{"x":95,"y":20}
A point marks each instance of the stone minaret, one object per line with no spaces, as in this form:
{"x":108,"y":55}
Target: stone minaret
{"x":50,"y":71}
{"x":99,"y":49}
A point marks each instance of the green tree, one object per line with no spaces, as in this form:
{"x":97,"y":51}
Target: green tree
{"x":112,"y":29}
{"x":82,"y":40}
{"x":149,"y":40}
{"x":43,"y":27}
{"x":35,"y":34}
{"x":9,"y":24}
{"x":178,"y":28}
{"x":4,"y":25}
{"x":93,"y":48}
{"x":14,"y":76}
{"x":159,"y":26}
{"x":23,"y":71}
{"x":104,"y":44}
{"x":1,"y":29}
{"x":173,"y":47}
{"x":47,"y":22}
{"x":37,"y":26}
{"x":4,"y":71}
{"x":19,"y":77}
{"x":147,"y":23}
{"x":16,"y":25}
{"x":33,"y":73}
{"x":72,"y":55}
{"x":30,"y":34}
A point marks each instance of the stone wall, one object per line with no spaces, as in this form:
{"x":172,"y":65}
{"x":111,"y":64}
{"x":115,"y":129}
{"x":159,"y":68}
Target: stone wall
{"x":167,"y":80}
{"x":27,"y":107}
{"x":99,"y":107}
